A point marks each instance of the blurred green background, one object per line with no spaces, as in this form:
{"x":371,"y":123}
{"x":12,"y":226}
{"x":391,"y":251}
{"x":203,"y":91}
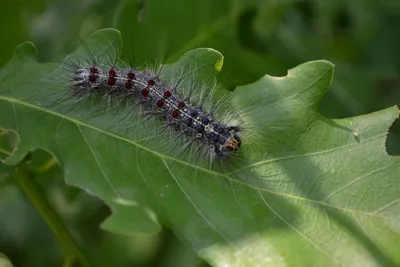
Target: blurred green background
{"x":361,"y":37}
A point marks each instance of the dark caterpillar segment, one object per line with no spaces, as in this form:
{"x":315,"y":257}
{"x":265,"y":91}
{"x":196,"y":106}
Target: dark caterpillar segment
{"x":196,"y":124}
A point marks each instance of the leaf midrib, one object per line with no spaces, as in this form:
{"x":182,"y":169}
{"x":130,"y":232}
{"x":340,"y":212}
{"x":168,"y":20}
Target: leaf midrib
{"x":163,"y":156}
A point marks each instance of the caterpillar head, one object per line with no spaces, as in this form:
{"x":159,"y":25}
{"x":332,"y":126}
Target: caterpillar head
{"x":233,"y":142}
{"x":230,"y":143}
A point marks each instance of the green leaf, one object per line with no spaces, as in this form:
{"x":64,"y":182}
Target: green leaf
{"x":310,"y":191}
{"x":4,"y":262}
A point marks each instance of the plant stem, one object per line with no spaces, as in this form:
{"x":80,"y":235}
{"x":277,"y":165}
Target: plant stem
{"x":71,"y":249}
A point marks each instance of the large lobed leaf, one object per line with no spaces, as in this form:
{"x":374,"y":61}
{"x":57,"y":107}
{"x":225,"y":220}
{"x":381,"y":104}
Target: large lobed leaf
{"x":311,"y":191}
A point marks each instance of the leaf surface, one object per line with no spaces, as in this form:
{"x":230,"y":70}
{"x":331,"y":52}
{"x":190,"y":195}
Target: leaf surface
{"x":311,"y":191}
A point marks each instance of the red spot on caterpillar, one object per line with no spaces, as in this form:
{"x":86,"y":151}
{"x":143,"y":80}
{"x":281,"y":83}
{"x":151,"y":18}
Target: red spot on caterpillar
{"x":175,"y":113}
{"x":151,"y":82}
{"x":160,"y":103}
{"x":93,"y":70}
{"x":145,"y":92}
{"x":128,"y":85}
{"x":181,"y":104}
{"x":92,"y":78}
{"x":167,"y":94}
{"x":111,"y":81}
{"x":112,"y":73}
{"x":131,"y":75}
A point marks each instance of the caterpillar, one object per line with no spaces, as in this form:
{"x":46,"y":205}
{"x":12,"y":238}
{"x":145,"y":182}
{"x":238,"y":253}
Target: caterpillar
{"x":187,"y":112}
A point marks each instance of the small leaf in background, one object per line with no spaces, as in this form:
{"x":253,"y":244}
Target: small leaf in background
{"x":4,"y":262}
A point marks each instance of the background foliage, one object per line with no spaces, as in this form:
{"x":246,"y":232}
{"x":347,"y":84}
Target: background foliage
{"x":255,"y":37}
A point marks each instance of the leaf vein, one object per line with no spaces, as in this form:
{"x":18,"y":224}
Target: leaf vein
{"x":304,"y":155}
{"x":292,"y":226}
{"x":15,"y":118}
{"x":387,"y":206}
{"x":195,"y":206}
{"x":98,"y":163}
{"x":354,"y":182}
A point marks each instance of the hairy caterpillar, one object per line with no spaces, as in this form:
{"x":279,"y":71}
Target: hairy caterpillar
{"x":182,"y":107}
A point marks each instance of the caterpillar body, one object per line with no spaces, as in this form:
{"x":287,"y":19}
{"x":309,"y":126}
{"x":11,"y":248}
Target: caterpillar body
{"x":160,"y":99}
